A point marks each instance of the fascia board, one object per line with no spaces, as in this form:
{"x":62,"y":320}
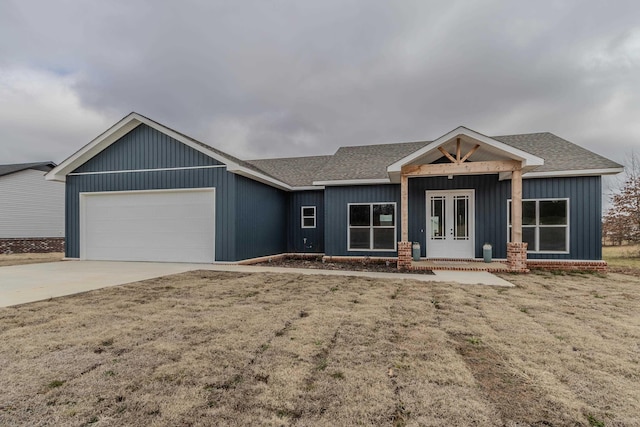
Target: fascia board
{"x":99,"y":143}
{"x":353,"y":182}
{"x":577,"y":172}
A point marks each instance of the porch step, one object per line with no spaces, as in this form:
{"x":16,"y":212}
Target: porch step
{"x":460,"y":265}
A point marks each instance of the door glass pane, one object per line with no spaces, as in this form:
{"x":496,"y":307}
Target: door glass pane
{"x":553,"y":212}
{"x":529,"y":236}
{"x":437,"y":218}
{"x":383,"y":215}
{"x":383,"y":238}
{"x":359,"y":215}
{"x":359,"y":238}
{"x":529,"y":212}
{"x":553,"y":238}
{"x":461,"y":212}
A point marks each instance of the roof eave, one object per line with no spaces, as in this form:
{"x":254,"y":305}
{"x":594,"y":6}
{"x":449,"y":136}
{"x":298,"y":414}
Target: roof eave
{"x":365,"y":181}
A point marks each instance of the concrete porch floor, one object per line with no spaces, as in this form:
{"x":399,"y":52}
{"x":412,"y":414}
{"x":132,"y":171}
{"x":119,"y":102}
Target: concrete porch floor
{"x":460,"y":265}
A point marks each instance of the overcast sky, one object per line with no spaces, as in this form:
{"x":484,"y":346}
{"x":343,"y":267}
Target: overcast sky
{"x":261,"y":79}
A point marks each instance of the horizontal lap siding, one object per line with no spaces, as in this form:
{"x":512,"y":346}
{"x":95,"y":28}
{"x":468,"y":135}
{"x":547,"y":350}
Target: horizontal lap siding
{"x":335,"y":216}
{"x":261,"y":224}
{"x":585,"y":210}
{"x":490,"y":209}
{"x":295,"y":233}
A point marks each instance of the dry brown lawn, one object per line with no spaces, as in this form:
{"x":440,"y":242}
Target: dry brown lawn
{"x":17,"y":259}
{"x":210,"y":348}
{"x":623,"y":258}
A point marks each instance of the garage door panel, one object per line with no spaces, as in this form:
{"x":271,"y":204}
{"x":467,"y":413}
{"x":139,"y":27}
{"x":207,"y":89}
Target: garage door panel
{"x":176,"y":226}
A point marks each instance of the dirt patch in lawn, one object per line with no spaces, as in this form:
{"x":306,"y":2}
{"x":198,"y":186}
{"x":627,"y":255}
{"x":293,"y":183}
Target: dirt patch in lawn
{"x":206,"y":347}
{"x":18,"y":259}
{"x":364,"y":265}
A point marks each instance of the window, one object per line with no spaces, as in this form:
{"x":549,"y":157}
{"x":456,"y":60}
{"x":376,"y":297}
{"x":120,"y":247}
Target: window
{"x":372,"y":227}
{"x":308,"y":217}
{"x":545,"y":224}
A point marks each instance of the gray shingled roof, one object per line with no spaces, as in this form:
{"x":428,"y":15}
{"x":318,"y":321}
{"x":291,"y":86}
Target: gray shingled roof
{"x":365,"y":161}
{"x":371,"y":161}
{"x":558,"y":154}
{"x":41,"y":166}
{"x":295,"y":171}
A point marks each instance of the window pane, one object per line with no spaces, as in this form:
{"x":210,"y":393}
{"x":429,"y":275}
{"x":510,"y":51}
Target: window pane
{"x":359,"y":238}
{"x":308,"y":222}
{"x":461,"y":217}
{"x":383,"y":238}
{"x":308,"y":212}
{"x":359,"y":215}
{"x":553,"y":212}
{"x":529,"y":212}
{"x":383,"y":215}
{"x":553,"y":238}
{"x":437,"y":218}
{"x":529,"y":236}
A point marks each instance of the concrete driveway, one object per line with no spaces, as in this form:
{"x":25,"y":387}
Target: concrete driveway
{"x":34,"y":282}
{"x":20,"y":284}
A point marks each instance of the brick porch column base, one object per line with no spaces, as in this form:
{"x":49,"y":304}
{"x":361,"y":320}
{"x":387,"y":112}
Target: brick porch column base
{"x":517,"y":257}
{"x":404,"y":255}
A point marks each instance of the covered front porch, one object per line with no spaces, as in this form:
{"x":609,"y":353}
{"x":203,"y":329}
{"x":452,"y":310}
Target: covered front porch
{"x":454,"y":193}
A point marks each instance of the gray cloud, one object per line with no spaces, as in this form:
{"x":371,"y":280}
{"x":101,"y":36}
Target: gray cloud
{"x":282,"y":78}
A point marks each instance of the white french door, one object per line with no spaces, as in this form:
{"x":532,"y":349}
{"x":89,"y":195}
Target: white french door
{"x":450,"y":224}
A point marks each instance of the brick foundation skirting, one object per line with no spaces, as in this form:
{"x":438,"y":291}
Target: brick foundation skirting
{"x":567,"y":265}
{"x":32,"y":245}
{"x":541,"y":264}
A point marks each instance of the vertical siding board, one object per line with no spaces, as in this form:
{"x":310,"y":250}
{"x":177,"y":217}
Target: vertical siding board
{"x":217,"y":177}
{"x":295,"y":233}
{"x":145,"y":148}
{"x":336,"y":199}
{"x":261,"y":219}
{"x":584,"y":194}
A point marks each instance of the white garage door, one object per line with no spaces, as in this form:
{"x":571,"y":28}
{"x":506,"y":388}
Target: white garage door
{"x":173,"y":226}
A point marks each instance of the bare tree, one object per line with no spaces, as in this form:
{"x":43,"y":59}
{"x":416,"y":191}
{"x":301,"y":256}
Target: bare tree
{"x":621,"y":223}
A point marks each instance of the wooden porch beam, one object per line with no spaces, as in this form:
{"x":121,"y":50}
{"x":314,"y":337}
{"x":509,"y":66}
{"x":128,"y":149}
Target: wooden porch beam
{"x":468,"y":168}
{"x":458,"y":150}
{"x":404,"y":208}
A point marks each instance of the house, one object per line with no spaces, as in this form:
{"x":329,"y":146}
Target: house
{"x":142,"y":191}
{"x":31,"y":209}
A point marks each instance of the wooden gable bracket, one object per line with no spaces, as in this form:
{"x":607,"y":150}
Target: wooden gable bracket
{"x":457,"y":159}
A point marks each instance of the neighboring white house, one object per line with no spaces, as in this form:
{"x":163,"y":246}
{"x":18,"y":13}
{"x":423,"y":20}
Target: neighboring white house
{"x":31,"y":209}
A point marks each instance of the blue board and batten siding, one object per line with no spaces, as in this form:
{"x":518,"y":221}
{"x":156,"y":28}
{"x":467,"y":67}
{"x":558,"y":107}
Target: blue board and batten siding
{"x":146,"y":148}
{"x":301,"y":240}
{"x":491,"y":196}
{"x":261,"y":227}
{"x":585,"y":212}
{"x":253,"y":219}
{"x":237,"y":236}
{"x":490,"y":208}
{"x":335,"y":215}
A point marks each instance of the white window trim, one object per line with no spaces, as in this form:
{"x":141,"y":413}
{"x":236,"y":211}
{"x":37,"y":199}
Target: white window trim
{"x":302,"y":217}
{"x":371,"y":227}
{"x":537,"y":226}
